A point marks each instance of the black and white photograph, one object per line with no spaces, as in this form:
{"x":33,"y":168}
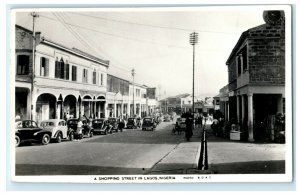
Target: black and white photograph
{"x":151,"y":95}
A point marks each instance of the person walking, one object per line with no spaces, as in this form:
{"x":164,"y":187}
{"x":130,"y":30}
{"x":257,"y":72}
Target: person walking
{"x":189,"y":126}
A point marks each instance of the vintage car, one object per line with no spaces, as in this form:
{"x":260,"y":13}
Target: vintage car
{"x":180,"y":125}
{"x":131,"y":123}
{"x":114,"y":123}
{"x":59,"y":129}
{"x":167,"y":118}
{"x":101,"y":126}
{"x":148,"y":123}
{"x":87,"y":130}
{"x":28,"y":130}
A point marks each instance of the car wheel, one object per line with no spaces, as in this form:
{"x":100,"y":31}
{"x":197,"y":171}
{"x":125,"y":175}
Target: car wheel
{"x":58,"y":138}
{"x":45,"y":139}
{"x":17,"y":141}
{"x":91,"y":134}
{"x":71,"y":136}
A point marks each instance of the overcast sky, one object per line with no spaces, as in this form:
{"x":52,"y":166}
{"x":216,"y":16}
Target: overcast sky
{"x":155,"y":42}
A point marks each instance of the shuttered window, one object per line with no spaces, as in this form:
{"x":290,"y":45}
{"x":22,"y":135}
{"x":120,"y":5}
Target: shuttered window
{"x":84,"y":75}
{"x":22,"y":64}
{"x":94,"y":77}
{"x":44,"y":69}
{"x":74,"y":73}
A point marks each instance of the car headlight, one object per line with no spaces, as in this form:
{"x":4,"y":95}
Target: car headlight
{"x":35,"y":133}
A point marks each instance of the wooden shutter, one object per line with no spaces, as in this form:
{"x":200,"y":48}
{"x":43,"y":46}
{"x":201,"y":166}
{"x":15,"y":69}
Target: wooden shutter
{"x":67,"y":72}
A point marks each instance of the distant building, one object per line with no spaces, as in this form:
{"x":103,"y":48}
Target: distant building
{"x":256,"y":72}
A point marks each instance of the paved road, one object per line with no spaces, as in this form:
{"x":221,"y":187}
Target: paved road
{"x":131,"y":152}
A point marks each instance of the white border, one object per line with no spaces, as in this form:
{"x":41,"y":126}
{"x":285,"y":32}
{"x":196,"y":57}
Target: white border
{"x":179,"y":178}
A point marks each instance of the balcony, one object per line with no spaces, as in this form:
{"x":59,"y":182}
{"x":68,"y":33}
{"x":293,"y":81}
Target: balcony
{"x":60,"y":83}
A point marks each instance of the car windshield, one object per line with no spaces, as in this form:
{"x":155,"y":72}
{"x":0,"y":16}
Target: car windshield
{"x":147,"y":119}
{"x":97,"y":121}
{"x":71,"y":122}
{"x":131,"y":119}
{"x":47,"y":124}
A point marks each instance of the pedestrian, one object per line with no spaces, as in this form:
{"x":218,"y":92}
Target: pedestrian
{"x":189,"y":126}
{"x":79,"y":129}
{"x":65,"y":116}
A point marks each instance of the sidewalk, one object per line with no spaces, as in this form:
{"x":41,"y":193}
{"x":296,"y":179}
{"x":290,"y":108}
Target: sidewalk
{"x":224,"y":157}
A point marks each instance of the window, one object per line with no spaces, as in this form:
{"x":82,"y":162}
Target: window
{"x":44,"y":70}
{"x":61,"y":69}
{"x":138,"y":92}
{"x":23,"y":65}
{"x":94,"y":77}
{"x":74,"y":73}
{"x":245,"y":63}
{"x":85,"y":75}
{"x":239,"y":64}
{"x":101,"y":79}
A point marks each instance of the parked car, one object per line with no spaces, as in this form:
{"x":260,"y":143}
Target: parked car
{"x":131,"y":123}
{"x":28,"y":130}
{"x":87,"y":131}
{"x":114,"y":123}
{"x":101,"y":126}
{"x":59,"y":129}
{"x":148,"y":123}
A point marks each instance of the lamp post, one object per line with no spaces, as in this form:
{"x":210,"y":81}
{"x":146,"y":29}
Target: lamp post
{"x":34,"y":15}
{"x":133,"y":73}
{"x":193,"y":42}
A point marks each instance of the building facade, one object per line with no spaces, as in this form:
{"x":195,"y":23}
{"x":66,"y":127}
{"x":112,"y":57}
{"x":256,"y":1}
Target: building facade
{"x":62,"y":82}
{"x":256,"y":72}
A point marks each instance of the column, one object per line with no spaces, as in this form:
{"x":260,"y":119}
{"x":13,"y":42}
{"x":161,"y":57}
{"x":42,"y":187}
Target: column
{"x":140,"y":110}
{"x":115,"y":109}
{"x":95,"y":109}
{"x":243,"y":111}
{"x":28,"y":108}
{"x":90,"y":108}
{"x":77,"y":110}
{"x":228,"y":110}
{"x":238,"y":109}
{"x":105,"y":109}
{"x":128,"y":109}
{"x":250,"y":118}
{"x":279,"y":104}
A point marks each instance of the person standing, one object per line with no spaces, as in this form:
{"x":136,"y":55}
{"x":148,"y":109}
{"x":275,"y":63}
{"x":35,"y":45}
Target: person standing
{"x":189,"y":126}
{"x":79,"y":129}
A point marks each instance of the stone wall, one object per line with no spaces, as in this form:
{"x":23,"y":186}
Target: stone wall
{"x":267,"y":54}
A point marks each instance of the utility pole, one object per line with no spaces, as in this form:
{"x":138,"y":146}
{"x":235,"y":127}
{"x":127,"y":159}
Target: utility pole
{"x":193,"y":42}
{"x":34,"y":16}
{"x":133,"y":73}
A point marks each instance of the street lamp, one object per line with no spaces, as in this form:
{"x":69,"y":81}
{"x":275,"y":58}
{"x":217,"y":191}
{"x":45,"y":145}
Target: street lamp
{"x":193,"y":42}
{"x":34,"y":16}
{"x":133,"y":73}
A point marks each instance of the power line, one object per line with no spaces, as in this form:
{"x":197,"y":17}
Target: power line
{"x":95,"y":50}
{"x":119,"y":36}
{"x":153,"y":26}
{"x":78,"y":37}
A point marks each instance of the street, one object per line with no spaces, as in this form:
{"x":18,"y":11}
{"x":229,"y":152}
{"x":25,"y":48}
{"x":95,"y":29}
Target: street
{"x":132,"y":151}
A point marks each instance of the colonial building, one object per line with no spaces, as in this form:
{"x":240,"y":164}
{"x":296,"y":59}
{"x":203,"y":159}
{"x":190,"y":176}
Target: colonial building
{"x":62,"y":80}
{"x":122,"y":95}
{"x":256,"y":71}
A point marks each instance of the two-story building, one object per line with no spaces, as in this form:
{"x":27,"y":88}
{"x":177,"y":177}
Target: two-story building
{"x":256,"y":72}
{"x":62,"y":81}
